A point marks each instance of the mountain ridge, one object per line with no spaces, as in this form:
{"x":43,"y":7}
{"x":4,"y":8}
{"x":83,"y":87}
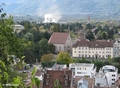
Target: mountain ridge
{"x":39,"y":7}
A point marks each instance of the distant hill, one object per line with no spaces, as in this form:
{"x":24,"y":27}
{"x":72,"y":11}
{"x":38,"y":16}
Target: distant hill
{"x":40,"y":7}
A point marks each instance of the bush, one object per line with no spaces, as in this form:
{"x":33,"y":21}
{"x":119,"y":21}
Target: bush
{"x":47,"y":64}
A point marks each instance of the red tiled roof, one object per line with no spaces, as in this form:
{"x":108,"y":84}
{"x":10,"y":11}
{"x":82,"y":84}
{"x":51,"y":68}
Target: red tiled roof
{"x":63,"y":76}
{"x":93,"y":44}
{"x":58,"y":38}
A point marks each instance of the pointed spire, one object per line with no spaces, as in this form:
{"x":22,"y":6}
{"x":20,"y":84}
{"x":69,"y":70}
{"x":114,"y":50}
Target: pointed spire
{"x":68,"y":29}
{"x":88,"y":19}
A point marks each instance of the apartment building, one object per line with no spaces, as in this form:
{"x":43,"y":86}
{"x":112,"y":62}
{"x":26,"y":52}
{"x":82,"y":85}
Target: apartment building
{"x":83,"y":69}
{"x":92,"y":49}
{"x":106,"y":77}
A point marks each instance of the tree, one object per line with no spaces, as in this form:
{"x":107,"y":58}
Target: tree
{"x":57,"y":84}
{"x":51,"y":48}
{"x":88,"y":26}
{"x":89,"y":35}
{"x":99,"y":36}
{"x":104,"y":35}
{"x":47,"y":58}
{"x":55,"y":28}
{"x":43,"y":47}
{"x":64,"y":57}
{"x":98,"y":64}
{"x":10,"y":45}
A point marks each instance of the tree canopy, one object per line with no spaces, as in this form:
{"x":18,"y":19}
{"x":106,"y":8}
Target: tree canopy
{"x":64,"y":57}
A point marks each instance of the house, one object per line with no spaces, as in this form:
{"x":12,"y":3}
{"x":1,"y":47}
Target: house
{"x":18,"y":28}
{"x":59,"y":67}
{"x":61,"y":41}
{"x":107,"y":76}
{"x":92,"y":49}
{"x":54,"y":78}
{"x":83,"y":69}
{"x":101,"y":80}
{"x":81,"y":82}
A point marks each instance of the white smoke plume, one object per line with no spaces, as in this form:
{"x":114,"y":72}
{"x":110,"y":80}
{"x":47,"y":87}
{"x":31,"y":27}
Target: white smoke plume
{"x":51,"y":18}
{"x":51,"y":15}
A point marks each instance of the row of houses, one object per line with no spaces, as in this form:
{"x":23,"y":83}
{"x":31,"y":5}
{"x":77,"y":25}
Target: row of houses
{"x":84,"y":48}
{"x":78,"y":75}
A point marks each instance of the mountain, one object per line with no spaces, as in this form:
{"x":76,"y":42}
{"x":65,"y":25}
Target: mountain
{"x":40,"y":7}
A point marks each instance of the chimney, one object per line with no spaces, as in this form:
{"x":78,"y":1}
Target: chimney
{"x":45,"y":70}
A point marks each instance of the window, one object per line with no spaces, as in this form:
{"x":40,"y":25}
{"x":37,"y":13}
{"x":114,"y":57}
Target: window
{"x":89,"y":56}
{"x":78,"y":72}
{"x":113,"y":75}
{"x":82,"y":48}
{"x":112,"y":83}
{"x":82,"y":55}
{"x":98,"y":84}
{"x":60,"y":47}
{"x":74,"y":51}
{"x":79,"y":52}
{"x":113,"y":79}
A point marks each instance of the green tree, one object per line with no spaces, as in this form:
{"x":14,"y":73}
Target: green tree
{"x":57,"y":84}
{"x":51,"y":48}
{"x":104,"y":35}
{"x":64,"y":57}
{"x":90,"y":35}
{"x":55,"y":28}
{"x":47,"y":58}
{"x":88,"y":26}
{"x":99,"y":35}
{"x":43,"y":47}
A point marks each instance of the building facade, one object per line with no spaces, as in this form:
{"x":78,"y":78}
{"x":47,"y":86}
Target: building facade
{"x":116,"y":47}
{"x":92,"y":49}
{"x":61,"y":41}
{"x":83,"y":69}
{"x":18,"y":28}
{"x":107,"y":76}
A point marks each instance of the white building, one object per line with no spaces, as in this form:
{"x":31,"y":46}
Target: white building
{"x":59,"y":66}
{"x":18,"y":28}
{"x":83,"y":83}
{"x":116,"y":48}
{"x":107,"y":76}
{"x":61,"y":41}
{"x":83,"y":69}
{"x":92,"y":49}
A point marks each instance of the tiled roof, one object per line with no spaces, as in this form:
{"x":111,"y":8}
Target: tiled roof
{"x":63,"y":76}
{"x":93,"y":44}
{"x":58,"y":38}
